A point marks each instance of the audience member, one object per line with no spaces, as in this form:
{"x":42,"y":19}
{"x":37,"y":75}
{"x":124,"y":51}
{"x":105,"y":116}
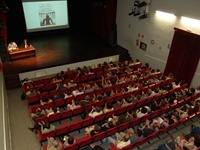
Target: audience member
{"x":77,"y":92}
{"x":73,"y":105}
{"x":68,"y":140}
{"x":53,"y":144}
{"x":141,"y":112}
{"x":186,"y":142}
{"x":43,"y":127}
{"x":12,"y":46}
{"x":120,"y":139}
{"x":108,"y":107}
{"x":92,"y":130}
{"x":148,"y":128}
{"x":52,"y":111}
{"x":45,"y":100}
{"x":38,"y":113}
{"x":95,"y":112}
{"x":31,"y":92}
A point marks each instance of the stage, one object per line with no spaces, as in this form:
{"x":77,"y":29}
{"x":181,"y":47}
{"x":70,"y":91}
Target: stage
{"x":58,"y":49}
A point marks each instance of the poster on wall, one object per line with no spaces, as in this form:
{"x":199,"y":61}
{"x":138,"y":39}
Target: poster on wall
{"x":143,"y":46}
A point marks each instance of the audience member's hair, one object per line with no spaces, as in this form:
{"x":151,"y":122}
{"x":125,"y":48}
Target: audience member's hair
{"x":54,"y":109}
{"x":144,"y":110}
{"x":109,"y":105}
{"x":70,"y":139}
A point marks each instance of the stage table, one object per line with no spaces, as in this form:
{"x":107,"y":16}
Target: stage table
{"x":22,"y":53}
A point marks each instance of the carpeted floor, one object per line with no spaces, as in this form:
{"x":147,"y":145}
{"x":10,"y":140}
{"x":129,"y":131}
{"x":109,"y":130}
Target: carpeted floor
{"x":22,"y":138}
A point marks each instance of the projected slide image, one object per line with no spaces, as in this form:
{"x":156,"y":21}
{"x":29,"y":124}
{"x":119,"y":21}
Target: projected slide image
{"x":47,"y":14}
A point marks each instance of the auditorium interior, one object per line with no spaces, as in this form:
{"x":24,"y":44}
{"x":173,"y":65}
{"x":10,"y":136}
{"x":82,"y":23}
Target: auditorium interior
{"x":118,"y":40}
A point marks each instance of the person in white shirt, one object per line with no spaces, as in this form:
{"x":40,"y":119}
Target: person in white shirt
{"x":12,"y":46}
{"x":120,"y":140}
{"x":187,"y":143}
{"x":108,"y":107}
{"x":77,"y":92}
{"x":52,"y":111}
{"x":95,"y":112}
{"x":73,"y":105}
{"x":141,"y":112}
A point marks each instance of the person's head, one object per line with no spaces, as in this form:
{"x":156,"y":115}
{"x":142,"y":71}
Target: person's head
{"x":68,"y":93}
{"x":191,"y":139}
{"x":45,"y":99}
{"x":57,"y":76}
{"x":47,"y":125}
{"x":149,"y":92}
{"x":98,"y":109}
{"x":54,"y":109}
{"x":153,"y":70}
{"x":190,"y":110}
{"x":55,"y":143}
{"x":109,"y":105}
{"x":126,"y":137}
{"x":70,"y":139}
{"x":87,"y":97}
{"x":97,"y":128}
{"x":99,"y":97}
{"x":68,"y":69}
{"x":38,"y":112}
{"x":192,"y":90}
{"x":156,"y":90}
{"x":50,"y":140}
{"x":137,"y":60}
{"x":146,"y":65}
{"x":47,"y":16}
{"x":198,"y":102}
{"x":80,"y":89}
{"x":144,"y":110}
{"x":62,"y":72}
{"x":110,"y":124}
{"x":76,"y":102}
{"x":32,"y":90}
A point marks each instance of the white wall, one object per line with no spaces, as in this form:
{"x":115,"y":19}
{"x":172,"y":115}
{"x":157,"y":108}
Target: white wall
{"x":159,"y":29}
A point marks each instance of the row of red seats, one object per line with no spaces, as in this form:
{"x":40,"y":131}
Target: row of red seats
{"x":38,"y":97}
{"x":112,"y":99}
{"x":78,"y":124}
{"x":99,"y":136}
{"x":39,"y":84}
{"x":164,"y":130}
{"x":46,"y":83}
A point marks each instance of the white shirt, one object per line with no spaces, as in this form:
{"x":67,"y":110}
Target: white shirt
{"x":12,"y":46}
{"x":122,"y":144}
{"x":76,"y":92}
{"x":94,"y":114}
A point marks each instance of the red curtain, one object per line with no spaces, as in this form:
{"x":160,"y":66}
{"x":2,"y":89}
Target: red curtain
{"x":103,"y":18}
{"x":184,"y":55}
{"x":3,"y":32}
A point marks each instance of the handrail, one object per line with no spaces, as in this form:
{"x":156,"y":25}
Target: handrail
{"x":5,"y":142}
